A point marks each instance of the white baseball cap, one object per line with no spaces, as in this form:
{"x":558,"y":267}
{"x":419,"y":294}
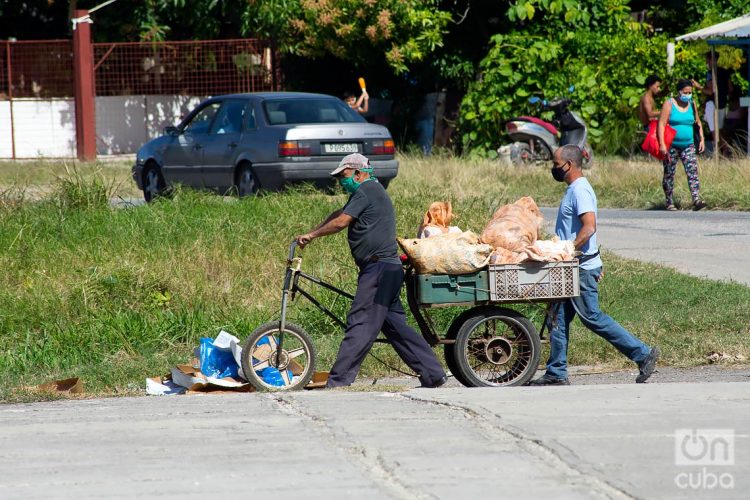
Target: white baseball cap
{"x":354,"y":160}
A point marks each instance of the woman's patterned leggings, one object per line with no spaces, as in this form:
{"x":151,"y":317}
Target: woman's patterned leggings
{"x":690,"y":162}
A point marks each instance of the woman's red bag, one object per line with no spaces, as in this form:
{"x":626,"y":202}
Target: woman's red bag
{"x":651,"y":143}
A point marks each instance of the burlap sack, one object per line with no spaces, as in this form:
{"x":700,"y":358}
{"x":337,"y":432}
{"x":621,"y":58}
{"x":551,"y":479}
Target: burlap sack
{"x":437,"y":220}
{"x":554,"y":250}
{"x":515,"y":226}
{"x":447,"y":253}
{"x":503,"y":256}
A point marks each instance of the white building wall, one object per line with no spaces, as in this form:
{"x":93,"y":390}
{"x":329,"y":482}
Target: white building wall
{"x":46,"y":128}
{"x":6,"y":146}
{"x":120,"y":124}
{"x":165,"y":110}
{"x":41,"y":128}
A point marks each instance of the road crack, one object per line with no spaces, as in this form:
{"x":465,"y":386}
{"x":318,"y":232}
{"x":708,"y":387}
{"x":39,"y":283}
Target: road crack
{"x":533,"y":446}
{"x":372,"y":464}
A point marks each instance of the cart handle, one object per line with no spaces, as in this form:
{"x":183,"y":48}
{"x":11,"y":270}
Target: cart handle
{"x":292,"y":248}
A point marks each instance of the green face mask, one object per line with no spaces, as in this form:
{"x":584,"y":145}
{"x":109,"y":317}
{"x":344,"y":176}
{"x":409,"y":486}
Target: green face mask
{"x":350,"y":185}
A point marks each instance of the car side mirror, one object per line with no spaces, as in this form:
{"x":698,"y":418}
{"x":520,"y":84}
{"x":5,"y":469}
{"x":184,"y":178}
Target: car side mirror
{"x":173,"y":131}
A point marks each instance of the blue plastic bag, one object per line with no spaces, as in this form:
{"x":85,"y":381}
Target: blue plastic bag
{"x":216,"y":362}
{"x":271,"y":375}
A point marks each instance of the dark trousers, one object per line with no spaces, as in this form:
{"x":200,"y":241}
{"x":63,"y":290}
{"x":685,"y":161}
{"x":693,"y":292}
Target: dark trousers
{"x":377,"y":307}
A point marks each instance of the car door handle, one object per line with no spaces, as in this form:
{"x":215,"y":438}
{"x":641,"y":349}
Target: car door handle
{"x":232,"y":144}
{"x":197,"y":146}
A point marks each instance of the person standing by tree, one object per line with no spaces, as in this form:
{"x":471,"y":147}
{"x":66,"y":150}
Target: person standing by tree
{"x":723,"y":88}
{"x":576,"y":222}
{"x":681,"y":113}
{"x":648,"y":111}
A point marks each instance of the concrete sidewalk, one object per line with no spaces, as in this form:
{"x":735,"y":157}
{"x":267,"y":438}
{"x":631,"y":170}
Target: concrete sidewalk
{"x":603,"y":441}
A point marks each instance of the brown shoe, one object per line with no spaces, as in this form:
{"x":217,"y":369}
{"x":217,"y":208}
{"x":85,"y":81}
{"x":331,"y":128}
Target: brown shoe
{"x":698,"y":204}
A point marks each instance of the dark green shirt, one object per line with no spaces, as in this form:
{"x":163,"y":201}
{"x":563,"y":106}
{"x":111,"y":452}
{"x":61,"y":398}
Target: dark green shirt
{"x":373,"y":231}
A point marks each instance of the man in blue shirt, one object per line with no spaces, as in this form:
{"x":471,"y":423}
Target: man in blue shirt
{"x":576,"y":221}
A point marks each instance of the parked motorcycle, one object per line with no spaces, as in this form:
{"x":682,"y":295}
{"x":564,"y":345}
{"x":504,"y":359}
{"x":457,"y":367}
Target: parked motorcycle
{"x":535,"y":139}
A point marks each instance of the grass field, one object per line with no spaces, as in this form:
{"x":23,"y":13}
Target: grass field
{"x":619,"y":183}
{"x":116,"y":295}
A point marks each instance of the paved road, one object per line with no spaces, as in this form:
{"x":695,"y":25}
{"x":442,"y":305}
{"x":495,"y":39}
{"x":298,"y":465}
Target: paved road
{"x":595,"y":441}
{"x":708,"y":244}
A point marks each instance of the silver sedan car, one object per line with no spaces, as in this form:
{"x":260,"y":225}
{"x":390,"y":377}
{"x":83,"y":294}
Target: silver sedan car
{"x":247,"y":142}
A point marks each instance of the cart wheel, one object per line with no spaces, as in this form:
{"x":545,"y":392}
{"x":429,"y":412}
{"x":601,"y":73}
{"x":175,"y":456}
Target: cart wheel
{"x":450,"y":361}
{"x":449,"y":350}
{"x":497,"y":347}
{"x":266,"y":370}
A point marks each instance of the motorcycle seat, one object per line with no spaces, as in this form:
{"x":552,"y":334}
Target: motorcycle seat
{"x":550,"y":128}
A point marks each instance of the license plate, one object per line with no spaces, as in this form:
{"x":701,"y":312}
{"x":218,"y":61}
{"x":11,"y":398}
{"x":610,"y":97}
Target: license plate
{"x":340,"y":148}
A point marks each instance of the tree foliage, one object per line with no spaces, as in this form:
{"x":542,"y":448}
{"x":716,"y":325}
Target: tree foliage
{"x":593,"y":45}
{"x":400,"y":32}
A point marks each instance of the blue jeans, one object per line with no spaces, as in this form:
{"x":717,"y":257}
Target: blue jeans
{"x":587,"y":307}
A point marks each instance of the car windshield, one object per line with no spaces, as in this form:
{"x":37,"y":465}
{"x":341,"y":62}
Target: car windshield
{"x":309,"y":110}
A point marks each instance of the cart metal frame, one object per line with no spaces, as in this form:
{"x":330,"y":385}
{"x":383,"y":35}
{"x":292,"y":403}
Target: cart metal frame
{"x":294,"y":276}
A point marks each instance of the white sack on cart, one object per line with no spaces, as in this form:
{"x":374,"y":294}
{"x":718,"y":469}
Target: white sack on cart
{"x":447,"y":253}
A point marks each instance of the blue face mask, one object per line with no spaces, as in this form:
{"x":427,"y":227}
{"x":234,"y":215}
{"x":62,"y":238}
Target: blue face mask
{"x":686,"y":97}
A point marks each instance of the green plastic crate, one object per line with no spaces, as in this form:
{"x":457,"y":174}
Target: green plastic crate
{"x":449,"y":288}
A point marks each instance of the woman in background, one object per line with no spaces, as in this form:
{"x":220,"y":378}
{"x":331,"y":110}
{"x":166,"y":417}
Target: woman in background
{"x":681,"y":113}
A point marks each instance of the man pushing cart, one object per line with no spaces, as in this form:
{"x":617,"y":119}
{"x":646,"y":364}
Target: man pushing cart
{"x":371,"y":222}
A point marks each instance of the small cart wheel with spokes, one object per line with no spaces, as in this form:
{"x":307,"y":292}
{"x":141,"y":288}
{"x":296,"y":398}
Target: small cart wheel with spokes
{"x":496,"y":346}
{"x":269,"y":368}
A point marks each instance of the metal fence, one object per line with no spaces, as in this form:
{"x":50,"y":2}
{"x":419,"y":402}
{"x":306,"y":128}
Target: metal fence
{"x":44,"y":69}
{"x":185,"y":68}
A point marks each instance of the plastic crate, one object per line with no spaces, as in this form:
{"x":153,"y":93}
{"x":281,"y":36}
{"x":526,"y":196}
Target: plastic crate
{"x":538,"y":281}
{"x":453,"y":289}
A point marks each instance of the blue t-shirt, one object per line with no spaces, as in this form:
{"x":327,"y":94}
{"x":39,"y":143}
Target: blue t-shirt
{"x":578,"y":200}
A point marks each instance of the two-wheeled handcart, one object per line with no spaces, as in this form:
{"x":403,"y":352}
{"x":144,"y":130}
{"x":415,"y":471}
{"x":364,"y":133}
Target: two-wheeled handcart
{"x":487,"y":344}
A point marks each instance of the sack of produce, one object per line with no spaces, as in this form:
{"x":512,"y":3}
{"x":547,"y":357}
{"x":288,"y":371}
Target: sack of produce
{"x":503,"y":256}
{"x":447,"y":253}
{"x":437,"y":220}
{"x":554,"y":250}
{"x":515,"y":226}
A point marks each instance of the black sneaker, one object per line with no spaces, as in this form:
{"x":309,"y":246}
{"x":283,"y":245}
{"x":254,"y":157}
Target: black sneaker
{"x":648,"y":365}
{"x":698,"y":204}
{"x":548,"y":380}
{"x":442,"y":381}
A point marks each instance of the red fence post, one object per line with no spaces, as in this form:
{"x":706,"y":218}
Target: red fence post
{"x":83,"y":65}
{"x":10,"y":99}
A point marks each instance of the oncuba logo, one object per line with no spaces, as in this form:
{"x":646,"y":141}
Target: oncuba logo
{"x":706,"y":448}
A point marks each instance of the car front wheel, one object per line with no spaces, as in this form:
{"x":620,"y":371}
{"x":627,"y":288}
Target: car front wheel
{"x":153,"y":183}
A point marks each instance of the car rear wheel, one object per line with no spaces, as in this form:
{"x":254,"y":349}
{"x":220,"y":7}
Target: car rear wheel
{"x":153,"y":183}
{"x":246,"y":182}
